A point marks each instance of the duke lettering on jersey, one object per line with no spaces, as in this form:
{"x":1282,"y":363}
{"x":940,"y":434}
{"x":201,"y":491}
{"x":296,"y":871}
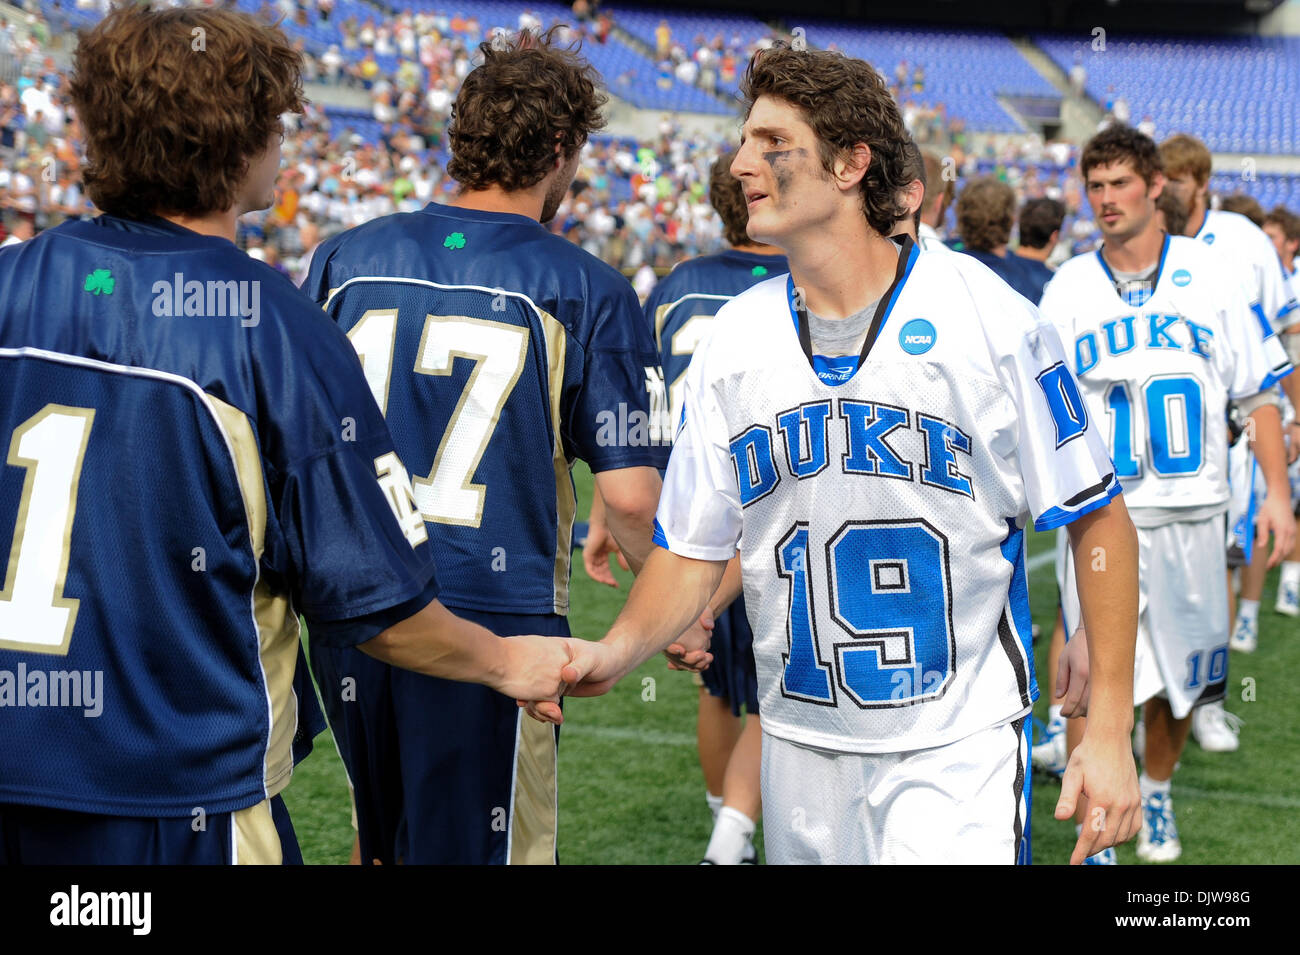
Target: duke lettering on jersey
{"x":879,"y":517}
{"x":868,"y":425}
{"x":1121,"y":335}
{"x":1159,"y":378}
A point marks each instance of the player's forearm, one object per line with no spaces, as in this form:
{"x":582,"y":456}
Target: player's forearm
{"x":630,"y":497}
{"x":1269,"y":448}
{"x":728,"y":590}
{"x":597,"y":516}
{"x":1291,"y":388}
{"x":436,"y":642}
{"x":1105,"y":548}
{"x":669,"y":595}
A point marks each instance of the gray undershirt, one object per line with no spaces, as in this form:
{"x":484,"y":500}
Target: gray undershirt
{"x":834,"y":337}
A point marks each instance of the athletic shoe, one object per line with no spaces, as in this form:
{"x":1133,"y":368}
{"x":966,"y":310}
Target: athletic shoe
{"x":1158,"y":840}
{"x":1104,"y":857}
{"x":1245,"y":636}
{"x":1288,"y":600}
{"x":1140,"y":741}
{"x":750,"y":858}
{"x":1215,"y":728}
{"x":1049,"y":753}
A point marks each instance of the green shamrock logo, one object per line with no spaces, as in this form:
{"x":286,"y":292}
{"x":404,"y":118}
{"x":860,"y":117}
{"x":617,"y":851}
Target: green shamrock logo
{"x":99,"y":282}
{"x":759,"y":270}
{"x":454,"y":241}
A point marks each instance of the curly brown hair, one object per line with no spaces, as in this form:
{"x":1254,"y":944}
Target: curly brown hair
{"x":727,"y":196}
{"x":845,"y":102}
{"x":529,"y":94}
{"x":1119,"y":143}
{"x":986,"y":210}
{"x":175,"y":103}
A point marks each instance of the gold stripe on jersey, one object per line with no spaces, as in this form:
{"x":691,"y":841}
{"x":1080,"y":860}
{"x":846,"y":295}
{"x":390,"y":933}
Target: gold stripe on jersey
{"x":257,"y":841}
{"x":533,"y":822}
{"x":566,"y":504}
{"x":661,"y":316}
{"x":277,"y":625}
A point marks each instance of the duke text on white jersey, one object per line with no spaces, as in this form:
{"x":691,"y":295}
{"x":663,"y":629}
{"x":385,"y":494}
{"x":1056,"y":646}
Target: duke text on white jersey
{"x":1157,"y":377}
{"x":882,"y":517}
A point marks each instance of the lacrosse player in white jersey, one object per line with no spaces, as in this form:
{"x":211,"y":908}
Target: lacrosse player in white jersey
{"x":879,"y":428}
{"x":1161,"y":337}
{"x":1233,"y":237}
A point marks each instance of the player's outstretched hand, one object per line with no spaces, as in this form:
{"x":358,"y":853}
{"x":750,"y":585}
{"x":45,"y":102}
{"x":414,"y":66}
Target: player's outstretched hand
{"x":1072,"y":676}
{"x":690,"y":651}
{"x":1102,"y":772}
{"x":1275,"y":517}
{"x":596,"y":552}
{"x":591,"y":670}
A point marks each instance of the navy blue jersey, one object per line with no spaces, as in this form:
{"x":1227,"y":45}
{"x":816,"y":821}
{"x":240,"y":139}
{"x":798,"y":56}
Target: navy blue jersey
{"x":1012,"y":269}
{"x":696,"y":289}
{"x":193,"y":459}
{"x":500,"y":353}
{"x":1037,"y":275}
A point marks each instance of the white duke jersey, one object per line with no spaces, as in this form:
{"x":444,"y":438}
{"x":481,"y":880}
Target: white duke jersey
{"x":1239,"y":238}
{"x":882,"y":517}
{"x":1157,"y":377}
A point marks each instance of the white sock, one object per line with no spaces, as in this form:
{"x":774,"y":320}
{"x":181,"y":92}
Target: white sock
{"x":1248,"y":610}
{"x":731,"y":837}
{"x":1054,"y":712}
{"x":1151,"y":786}
{"x":715,"y":803}
{"x":1290,"y":573}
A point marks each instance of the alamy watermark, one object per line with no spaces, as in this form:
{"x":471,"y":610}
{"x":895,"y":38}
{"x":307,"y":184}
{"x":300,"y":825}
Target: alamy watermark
{"x":213,"y":298}
{"x":79,"y":689}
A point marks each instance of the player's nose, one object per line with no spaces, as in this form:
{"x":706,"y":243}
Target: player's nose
{"x":742,"y":162}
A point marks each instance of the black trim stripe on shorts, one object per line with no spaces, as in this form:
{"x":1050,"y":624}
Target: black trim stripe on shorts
{"x":1014,"y":654}
{"x":1018,"y":787}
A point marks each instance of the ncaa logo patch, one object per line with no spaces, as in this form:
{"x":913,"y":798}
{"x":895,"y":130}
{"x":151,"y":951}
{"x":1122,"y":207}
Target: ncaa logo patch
{"x":917,"y":337}
{"x":1208,"y":238}
{"x":1182,"y":277}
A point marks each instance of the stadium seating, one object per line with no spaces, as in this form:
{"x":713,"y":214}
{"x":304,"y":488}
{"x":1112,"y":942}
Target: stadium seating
{"x":1241,"y":97}
{"x":686,"y":27}
{"x":964,"y":70}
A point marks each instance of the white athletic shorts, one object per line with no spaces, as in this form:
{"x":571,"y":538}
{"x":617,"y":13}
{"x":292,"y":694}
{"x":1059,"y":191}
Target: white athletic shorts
{"x":1247,"y":488}
{"x":964,"y":803}
{"x":1182,"y":638}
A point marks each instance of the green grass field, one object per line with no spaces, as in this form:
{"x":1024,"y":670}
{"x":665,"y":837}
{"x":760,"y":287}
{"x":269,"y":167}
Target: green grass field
{"x":631,"y":790}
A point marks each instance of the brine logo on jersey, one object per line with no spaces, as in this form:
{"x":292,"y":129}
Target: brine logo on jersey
{"x":82,"y":689}
{"x":210,"y":298}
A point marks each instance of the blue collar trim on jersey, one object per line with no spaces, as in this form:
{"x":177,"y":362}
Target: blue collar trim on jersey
{"x":477,"y":215}
{"x":838,"y":370}
{"x":1160,"y":265}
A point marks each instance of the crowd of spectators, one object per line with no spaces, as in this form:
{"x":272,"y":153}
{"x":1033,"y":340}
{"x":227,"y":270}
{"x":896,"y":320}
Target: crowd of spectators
{"x":641,"y":206}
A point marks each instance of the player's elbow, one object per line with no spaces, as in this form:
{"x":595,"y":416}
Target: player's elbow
{"x":631,"y":496}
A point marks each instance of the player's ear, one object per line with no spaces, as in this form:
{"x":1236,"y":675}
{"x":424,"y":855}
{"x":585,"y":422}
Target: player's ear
{"x":1157,"y":185}
{"x":850,"y":167}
